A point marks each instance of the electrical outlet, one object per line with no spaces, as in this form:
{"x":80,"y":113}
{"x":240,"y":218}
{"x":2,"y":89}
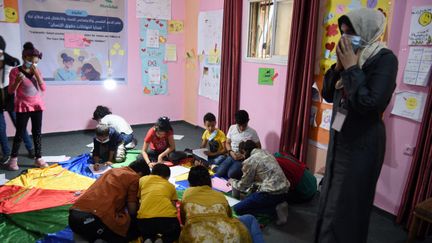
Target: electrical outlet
{"x":409,"y":150}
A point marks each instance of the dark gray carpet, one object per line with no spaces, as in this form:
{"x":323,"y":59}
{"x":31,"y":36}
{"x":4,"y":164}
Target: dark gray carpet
{"x":301,"y":222}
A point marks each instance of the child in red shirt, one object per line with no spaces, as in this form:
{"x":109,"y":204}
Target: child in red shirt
{"x":159,"y":144}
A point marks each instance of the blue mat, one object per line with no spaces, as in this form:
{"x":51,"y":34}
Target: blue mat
{"x":79,"y":165}
{"x":63,"y":236}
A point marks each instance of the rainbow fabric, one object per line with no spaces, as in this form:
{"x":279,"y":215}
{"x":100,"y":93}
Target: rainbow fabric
{"x":34,"y":206}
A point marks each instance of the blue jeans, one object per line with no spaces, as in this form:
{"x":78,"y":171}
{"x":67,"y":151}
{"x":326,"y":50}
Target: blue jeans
{"x":252,"y":225}
{"x":127,"y":138}
{"x":216,"y":160}
{"x":3,"y":136}
{"x":230,"y":168}
{"x":259,"y":203}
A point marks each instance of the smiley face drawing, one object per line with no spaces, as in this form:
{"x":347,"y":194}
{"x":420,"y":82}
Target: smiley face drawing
{"x":11,"y":15}
{"x":425,"y":18}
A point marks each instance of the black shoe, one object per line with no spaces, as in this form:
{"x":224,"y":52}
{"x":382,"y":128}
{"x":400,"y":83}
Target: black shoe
{"x":31,"y":154}
{"x":5,"y":159}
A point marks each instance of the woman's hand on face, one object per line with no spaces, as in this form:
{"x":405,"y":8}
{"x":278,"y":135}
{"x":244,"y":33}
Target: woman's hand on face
{"x":345,"y":53}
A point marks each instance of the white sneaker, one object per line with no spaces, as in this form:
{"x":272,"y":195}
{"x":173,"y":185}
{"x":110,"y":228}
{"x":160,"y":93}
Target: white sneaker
{"x":132,"y":144}
{"x":282,"y":213}
{"x":158,"y":240}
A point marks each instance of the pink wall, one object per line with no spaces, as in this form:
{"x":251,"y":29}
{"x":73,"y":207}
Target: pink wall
{"x":201,"y":105}
{"x":400,"y":131}
{"x":204,"y":104}
{"x":70,"y":108}
{"x":263,"y":103}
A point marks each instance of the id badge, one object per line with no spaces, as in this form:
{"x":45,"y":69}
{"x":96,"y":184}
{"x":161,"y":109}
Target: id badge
{"x":339,"y":119}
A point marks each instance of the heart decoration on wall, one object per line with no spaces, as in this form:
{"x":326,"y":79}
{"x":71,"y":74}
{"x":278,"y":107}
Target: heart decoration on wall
{"x":330,"y":46}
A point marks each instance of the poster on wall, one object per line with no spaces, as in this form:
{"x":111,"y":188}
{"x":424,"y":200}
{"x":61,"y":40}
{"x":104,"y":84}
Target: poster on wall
{"x":266,"y":76}
{"x":82,"y":42}
{"x":2,"y":13}
{"x":418,"y":67}
{"x":152,"y":52}
{"x":330,"y":29}
{"x":409,"y":104}
{"x":10,"y":29}
{"x":421,"y":27}
{"x":328,"y":37}
{"x":153,"y":9}
{"x":209,"y":51}
{"x":11,"y":34}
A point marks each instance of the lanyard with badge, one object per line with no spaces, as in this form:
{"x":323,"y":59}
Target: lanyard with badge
{"x":341,"y":114}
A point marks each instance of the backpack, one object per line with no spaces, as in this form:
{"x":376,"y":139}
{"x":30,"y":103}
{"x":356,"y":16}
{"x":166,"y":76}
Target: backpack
{"x":302,"y":181}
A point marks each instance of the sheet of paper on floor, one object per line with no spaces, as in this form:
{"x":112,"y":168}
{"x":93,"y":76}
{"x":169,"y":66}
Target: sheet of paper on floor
{"x":90,"y":145}
{"x":55,"y":159}
{"x":200,"y":153}
{"x":220,"y":184}
{"x":3,"y":179}
{"x":232,"y":201}
{"x":178,"y":170}
{"x":102,"y":169}
{"x":182,"y":177}
{"x":172,"y":180}
{"x":178,"y":137}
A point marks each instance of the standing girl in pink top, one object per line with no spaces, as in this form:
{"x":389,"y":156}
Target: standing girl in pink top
{"x":27,"y":84}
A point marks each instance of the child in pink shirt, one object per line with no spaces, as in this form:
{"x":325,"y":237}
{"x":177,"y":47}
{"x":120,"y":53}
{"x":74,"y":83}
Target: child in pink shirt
{"x":27,"y":84}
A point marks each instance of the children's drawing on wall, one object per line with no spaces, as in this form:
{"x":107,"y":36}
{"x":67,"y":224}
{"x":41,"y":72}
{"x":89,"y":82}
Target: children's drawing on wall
{"x":331,"y":34}
{"x":421,"y":27}
{"x":88,"y":42}
{"x":326,"y":119}
{"x":9,"y":11}
{"x":153,"y":36}
{"x":209,"y":48}
{"x":191,"y":59}
{"x":160,"y":9}
{"x":313,"y":115}
{"x":175,"y":26}
{"x":409,"y":104}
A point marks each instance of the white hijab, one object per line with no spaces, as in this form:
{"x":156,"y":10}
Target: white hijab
{"x":369,"y":24}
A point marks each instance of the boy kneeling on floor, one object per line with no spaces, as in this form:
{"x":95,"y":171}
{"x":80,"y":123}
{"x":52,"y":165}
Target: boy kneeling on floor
{"x":107,"y":210}
{"x":108,"y":146}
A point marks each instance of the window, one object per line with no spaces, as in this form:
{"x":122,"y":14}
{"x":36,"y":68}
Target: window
{"x":269,"y":30}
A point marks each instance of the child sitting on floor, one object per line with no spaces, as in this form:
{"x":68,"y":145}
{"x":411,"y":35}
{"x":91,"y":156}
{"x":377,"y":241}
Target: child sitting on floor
{"x":215,"y":139}
{"x":264,"y":181}
{"x":157,"y":214}
{"x":159,"y":144}
{"x":102,"y":114}
{"x":231,"y":167}
{"x":108,"y":146}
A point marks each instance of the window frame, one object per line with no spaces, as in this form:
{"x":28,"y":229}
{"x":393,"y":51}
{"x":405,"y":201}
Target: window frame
{"x":274,"y":59}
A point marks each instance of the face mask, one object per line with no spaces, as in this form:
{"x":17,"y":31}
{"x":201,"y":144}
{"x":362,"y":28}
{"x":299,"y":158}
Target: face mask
{"x":356,"y":41}
{"x":28,"y":64}
{"x":104,"y":141}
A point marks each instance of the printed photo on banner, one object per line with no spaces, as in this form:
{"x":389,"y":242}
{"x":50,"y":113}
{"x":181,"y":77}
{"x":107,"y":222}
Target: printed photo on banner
{"x":83,"y":42}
